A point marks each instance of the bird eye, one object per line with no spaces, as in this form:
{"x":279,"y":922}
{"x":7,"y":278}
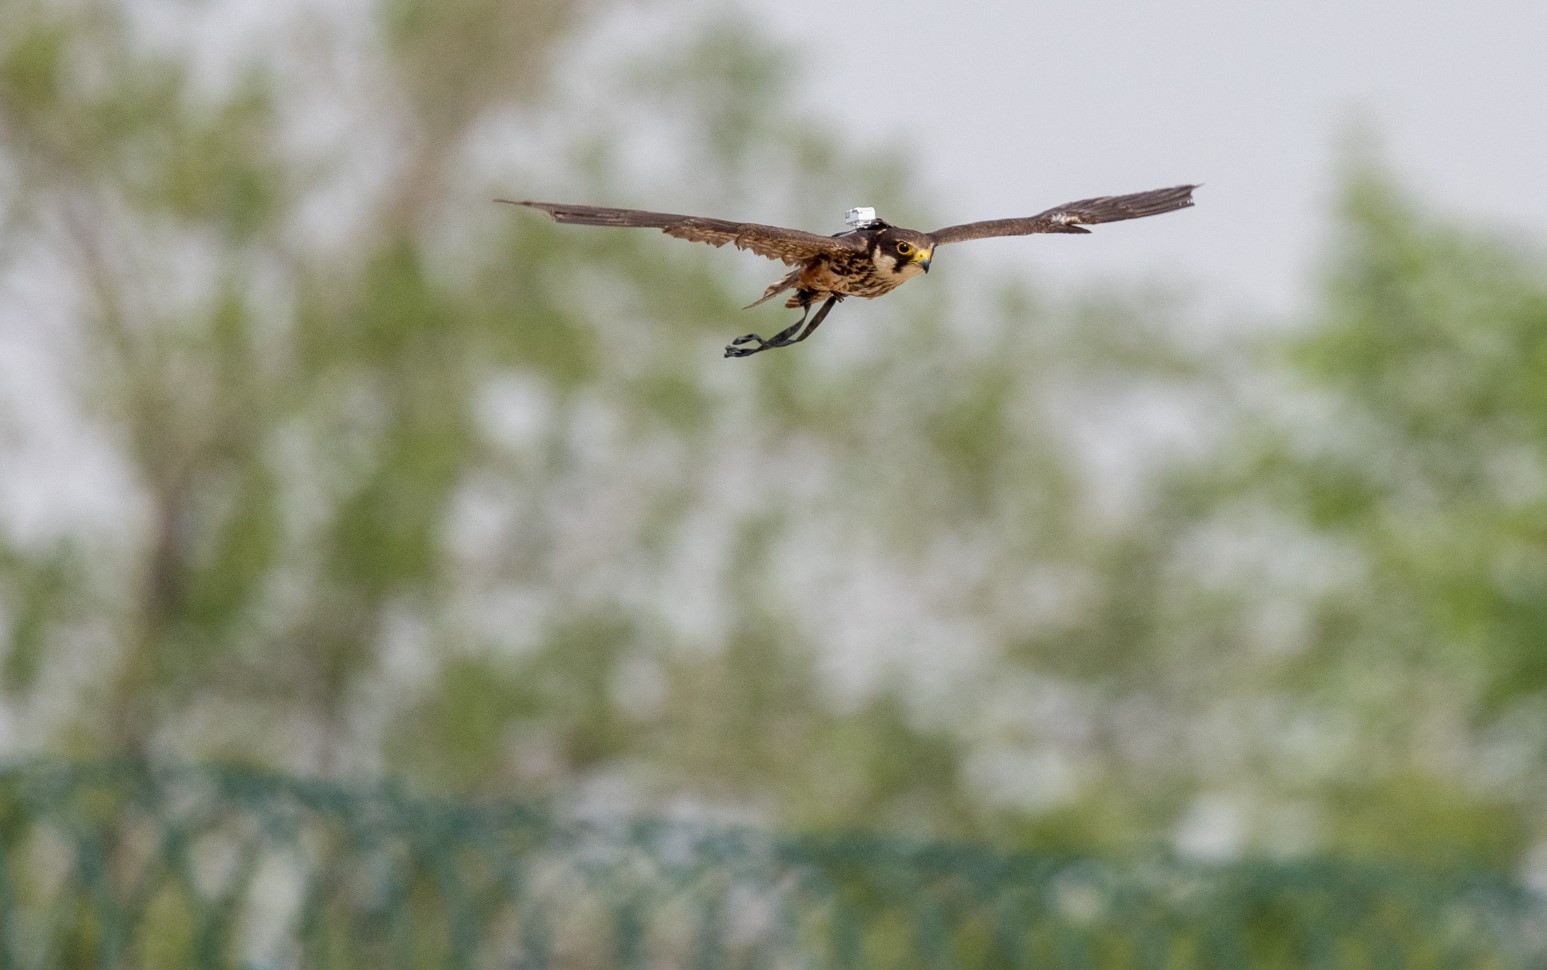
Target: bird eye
{"x":904,"y":249}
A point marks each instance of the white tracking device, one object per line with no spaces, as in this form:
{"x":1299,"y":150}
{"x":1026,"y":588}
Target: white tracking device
{"x":861,"y":216}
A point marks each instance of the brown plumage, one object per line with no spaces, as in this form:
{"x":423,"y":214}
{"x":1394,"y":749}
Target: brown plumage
{"x":864,"y":262}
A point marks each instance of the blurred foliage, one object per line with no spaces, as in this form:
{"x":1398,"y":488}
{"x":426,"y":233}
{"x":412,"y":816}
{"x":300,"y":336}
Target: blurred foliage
{"x":1402,"y":461}
{"x":1432,"y":354}
{"x":402,"y":480}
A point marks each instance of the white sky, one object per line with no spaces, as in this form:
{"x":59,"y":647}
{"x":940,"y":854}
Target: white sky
{"x":1008,"y":108}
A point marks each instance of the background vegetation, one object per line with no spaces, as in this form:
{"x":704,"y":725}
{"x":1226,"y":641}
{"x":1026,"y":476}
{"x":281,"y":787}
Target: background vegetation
{"x":315,"y":459}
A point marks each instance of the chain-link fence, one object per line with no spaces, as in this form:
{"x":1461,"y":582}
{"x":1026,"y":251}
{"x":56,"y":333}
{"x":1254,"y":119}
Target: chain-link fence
{"x":126,"y":866}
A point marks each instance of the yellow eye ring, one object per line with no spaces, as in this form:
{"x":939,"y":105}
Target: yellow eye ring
{"x":904,"y":249}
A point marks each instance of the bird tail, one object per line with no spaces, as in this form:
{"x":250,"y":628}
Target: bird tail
{"x":775,"y":289}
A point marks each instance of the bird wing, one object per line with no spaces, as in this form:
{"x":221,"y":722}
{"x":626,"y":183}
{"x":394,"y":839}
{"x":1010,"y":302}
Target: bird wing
{"x":1070,"y":216}
{"x":789,"y":245}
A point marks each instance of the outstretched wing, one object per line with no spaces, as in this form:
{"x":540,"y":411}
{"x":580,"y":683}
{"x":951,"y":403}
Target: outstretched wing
{"x":789,"y":245}
{"x":1069,"y":217}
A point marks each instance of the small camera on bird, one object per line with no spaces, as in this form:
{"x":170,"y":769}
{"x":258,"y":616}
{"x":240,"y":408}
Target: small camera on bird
{"x":861,"y":217}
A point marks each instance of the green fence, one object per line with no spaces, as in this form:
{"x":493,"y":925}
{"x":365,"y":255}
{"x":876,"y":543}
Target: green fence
{"x":127,"y":866}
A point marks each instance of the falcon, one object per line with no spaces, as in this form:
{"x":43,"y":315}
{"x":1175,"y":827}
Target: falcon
{"x":873,"y":258}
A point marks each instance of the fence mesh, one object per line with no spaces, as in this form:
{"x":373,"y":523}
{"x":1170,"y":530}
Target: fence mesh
{"x":124,"y":865}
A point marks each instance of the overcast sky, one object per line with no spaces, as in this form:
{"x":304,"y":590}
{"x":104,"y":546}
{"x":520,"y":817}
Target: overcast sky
{"x":1011,"y":107}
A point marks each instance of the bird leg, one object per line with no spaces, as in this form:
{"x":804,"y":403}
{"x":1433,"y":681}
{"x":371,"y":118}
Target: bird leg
{"x":781,"y":339}
{"x":785,"y":337}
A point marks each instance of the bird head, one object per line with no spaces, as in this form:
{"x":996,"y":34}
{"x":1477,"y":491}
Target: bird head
{"x":902,"y":252}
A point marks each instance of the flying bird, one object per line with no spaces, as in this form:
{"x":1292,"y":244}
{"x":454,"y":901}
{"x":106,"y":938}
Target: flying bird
{"x":867,"y":261}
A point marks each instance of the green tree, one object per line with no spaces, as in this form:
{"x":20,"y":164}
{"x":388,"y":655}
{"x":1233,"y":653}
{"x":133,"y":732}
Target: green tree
{"x":289,"y":412}
{"x":1403,"y":455}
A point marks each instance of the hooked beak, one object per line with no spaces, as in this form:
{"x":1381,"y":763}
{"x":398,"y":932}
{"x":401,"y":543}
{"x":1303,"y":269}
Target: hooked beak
{"x":924,"y":257}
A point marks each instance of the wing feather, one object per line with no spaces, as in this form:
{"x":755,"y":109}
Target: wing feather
{"x":1072,"y":215}
{"x":787,"y":245}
